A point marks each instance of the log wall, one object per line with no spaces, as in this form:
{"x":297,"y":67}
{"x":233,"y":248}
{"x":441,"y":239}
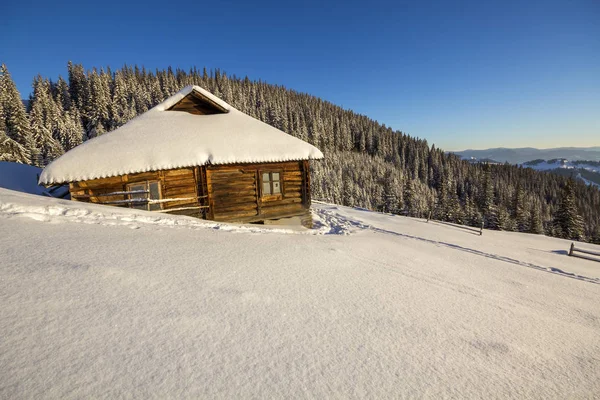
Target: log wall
{"x":235,"y":191}
{"x":216,"y":192}
{"x":179,"y":185}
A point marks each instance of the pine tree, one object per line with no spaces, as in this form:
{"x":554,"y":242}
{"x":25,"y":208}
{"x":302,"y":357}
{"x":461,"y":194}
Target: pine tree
{"x":45,"y":126}
{"x":596,"y":235}
{"x":520,"y":213}
{"x":15,"y":124}
{"x":409,"y":198}
{"x":535,"y":222}
{"x":567,"y":220}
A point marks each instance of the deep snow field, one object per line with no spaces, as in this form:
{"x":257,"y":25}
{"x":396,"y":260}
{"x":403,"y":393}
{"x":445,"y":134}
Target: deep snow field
{"x":104,"y":302}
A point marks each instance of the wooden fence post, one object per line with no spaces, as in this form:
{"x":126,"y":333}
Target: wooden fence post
{"x":571,"y":250}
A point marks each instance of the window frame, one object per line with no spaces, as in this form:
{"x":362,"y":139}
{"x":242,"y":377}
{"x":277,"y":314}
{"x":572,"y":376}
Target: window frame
{"x":147,"y":188}
{"x":271,"y":196}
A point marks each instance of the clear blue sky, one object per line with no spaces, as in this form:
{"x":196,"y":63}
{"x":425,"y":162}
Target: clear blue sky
{"x":461,"y":74}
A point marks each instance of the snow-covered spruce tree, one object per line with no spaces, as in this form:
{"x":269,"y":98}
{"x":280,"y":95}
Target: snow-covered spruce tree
{"x":409,"y":198}
{"x":98,"y":111}
{"x":60,"y":91}
{"x":45,"y":123}
{"x":596,"y":235}
{"x":16,"y":141}
{"x":122,"y":106}
{"x":568,"y":223}
{"x":535,"y":221}
{"x":520,"y":213}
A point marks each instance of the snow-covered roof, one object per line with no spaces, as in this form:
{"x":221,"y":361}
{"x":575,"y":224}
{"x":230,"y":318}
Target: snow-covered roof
{"x":160,"y":139}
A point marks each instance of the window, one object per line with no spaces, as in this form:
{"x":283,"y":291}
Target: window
{"x":271,"y":183}
{"x":142,"y":193}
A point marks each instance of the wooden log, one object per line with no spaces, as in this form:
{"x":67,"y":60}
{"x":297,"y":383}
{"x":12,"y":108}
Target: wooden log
{"x":295,"y":179}
{"x":230,"y":180}
{"x":281,"y":210}
{"x":293,"y":195}
{"x":114,"y":181}
{"x":187,"y":180}
{"x":143,"y":176}
{"x":229,"y":171}
{"x":225,"y":198}
{"x":171,"y":173}
{"x":293,"y":186}
{"x":231,"y":216}
{"x":230,"y":187}
{"x":179,"y":204}
{"x":278,"y":203}
{"x":292,"y":165}
{"x":219,"y":209}
{"x":181,"y":189}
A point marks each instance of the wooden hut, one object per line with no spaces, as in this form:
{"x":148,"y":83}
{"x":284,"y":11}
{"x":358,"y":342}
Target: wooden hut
{"x":196,"y":155}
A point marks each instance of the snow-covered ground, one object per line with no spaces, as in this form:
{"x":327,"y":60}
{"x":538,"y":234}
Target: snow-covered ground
{"x":545,"y":165}
{"x":107,"y":302}
{"x":20,"y":177}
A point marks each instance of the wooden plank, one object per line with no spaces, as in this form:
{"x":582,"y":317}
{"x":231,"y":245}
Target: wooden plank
{"x":190,"y":212}
{"x":287,"y":165}
{"x":229,"y":172}
{"x":232,"y":200}
{"x":179,"y":204}
{"x":179,"y":178}
{"x":290,"y":209}
{"x":176,"y":178}
{"x":230,"y":187}
{"x":218,"y":209}
{"x":293,"y":195}
{"x":182,"y":195}
{"x":278,"y":203}
{"x":246,"y":178}
{"x":290,"y":174}
{"x":143,"y":176}
{"x":231,"y":216}
{"x":189,"y":187}
{"x":171,"y":173}
{"x":115,"y":180}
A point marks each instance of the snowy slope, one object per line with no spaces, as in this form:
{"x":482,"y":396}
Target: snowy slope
{"x":106,"y":302}
{"x":588,"y":172}
{"x":547,"y":165}
{"x":20,"y":177}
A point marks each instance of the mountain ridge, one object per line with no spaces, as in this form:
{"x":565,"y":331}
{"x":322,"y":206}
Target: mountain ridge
{"x":524,"y":154}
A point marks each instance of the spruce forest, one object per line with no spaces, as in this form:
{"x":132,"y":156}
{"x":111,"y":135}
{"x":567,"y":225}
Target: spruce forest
{"x":366,"y":164}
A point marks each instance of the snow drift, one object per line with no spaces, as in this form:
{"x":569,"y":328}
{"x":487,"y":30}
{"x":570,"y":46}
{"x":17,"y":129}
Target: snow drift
{"x":108,"y":302}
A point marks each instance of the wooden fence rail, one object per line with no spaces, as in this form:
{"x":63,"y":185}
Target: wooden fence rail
{"x":585,"y":253}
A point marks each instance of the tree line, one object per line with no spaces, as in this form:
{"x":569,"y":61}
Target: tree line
{"x":367,"y":164}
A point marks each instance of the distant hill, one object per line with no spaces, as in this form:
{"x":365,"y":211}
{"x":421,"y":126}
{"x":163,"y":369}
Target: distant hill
{"x":587,"y":171}
{"x":525,"y":154}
